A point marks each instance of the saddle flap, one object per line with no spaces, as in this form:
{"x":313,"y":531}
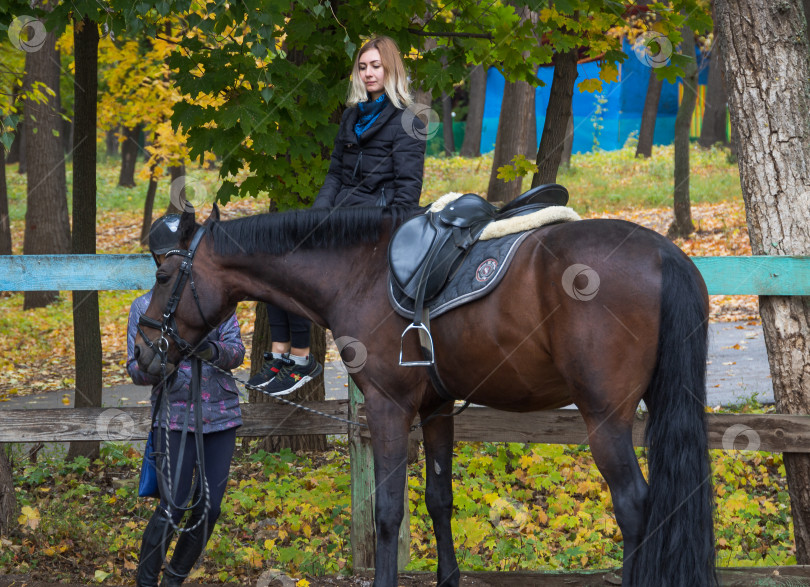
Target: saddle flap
{"x":409,"y":246}
{"x":468,"y":210}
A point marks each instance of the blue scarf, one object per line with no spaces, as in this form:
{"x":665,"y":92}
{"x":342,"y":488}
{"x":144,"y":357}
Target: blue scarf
{"x":369,"y":112}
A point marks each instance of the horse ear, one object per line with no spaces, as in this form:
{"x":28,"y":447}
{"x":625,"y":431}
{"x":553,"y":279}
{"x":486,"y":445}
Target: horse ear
{"x":213,"y":217}
{"x":187,"y":228}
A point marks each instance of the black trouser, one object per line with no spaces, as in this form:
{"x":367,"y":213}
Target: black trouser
{"x":288,"y":327}
{"x":218,"y":448}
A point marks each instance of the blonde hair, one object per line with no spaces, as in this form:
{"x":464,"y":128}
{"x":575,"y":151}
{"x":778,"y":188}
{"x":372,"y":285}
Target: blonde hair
{"x":396,"y":79}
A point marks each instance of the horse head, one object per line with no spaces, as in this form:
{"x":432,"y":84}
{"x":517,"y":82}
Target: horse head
{"x":186,"y":304}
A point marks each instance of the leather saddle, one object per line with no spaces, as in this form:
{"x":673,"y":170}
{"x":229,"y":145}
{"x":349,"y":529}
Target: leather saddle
{"x":425,"y":250}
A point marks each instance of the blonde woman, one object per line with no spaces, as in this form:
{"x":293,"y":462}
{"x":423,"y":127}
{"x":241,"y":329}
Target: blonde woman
{"x":378,"y":160}
{"x":379,"y":154}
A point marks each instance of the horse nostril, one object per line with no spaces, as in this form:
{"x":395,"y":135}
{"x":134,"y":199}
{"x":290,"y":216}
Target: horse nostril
{"x":136,"y":352}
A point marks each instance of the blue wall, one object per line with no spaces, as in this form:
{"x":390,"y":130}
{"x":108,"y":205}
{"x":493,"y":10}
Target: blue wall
{"x":621,"y":113}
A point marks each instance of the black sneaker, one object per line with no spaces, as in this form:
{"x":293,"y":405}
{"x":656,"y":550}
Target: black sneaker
{"x":269,"y":370}
{"x":291,"y":376}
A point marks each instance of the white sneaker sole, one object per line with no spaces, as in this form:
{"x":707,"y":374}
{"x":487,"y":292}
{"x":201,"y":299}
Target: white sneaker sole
{"x":303,"y":381}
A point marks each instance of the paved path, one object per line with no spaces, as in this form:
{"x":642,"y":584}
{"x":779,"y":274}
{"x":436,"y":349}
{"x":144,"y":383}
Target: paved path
{"x":738,"y":369}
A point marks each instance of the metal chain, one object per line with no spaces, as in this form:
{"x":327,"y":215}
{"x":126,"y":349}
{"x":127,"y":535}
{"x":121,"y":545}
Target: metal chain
{"x":414,"y":427}
{"x":286,"y":401}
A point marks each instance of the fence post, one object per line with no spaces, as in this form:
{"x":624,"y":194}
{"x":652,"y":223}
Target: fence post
{"x":361,"y":461}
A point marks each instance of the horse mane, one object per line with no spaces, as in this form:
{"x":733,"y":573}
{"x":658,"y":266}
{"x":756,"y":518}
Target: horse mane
{"x":318,"y":228}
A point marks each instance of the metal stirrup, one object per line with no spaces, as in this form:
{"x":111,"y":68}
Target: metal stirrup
{"x":424,"y":333}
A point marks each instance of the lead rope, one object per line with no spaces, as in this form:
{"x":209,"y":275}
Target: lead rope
{"x":195,"y":397}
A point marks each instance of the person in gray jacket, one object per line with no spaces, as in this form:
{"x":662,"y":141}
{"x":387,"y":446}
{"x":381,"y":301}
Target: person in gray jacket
{"x":221,"y":416}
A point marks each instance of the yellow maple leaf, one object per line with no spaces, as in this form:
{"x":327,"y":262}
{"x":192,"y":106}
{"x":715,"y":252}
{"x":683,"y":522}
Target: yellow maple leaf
{"x":609,"y":72}
{"x":591,"y":85}
{"x":29,"y":517}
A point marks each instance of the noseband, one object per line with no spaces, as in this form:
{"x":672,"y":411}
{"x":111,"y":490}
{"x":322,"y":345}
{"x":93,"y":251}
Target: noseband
{"x":168,"y":325}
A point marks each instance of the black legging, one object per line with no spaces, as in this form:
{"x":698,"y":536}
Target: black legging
{"x":218,"y":448}
{"x":288,"y":327}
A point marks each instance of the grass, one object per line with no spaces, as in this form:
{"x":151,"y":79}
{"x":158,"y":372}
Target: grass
{"x":604,"y":180}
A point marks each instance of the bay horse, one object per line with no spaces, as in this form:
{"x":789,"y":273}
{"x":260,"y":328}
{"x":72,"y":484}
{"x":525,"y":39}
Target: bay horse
{"x":631,"y":325}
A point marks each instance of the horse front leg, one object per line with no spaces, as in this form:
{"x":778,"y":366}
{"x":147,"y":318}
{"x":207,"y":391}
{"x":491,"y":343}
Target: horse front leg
{"x":438,"y":439}
{"x":389,"y":424}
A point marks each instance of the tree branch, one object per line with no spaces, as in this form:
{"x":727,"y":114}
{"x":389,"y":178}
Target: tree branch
{"x":422,"y":33}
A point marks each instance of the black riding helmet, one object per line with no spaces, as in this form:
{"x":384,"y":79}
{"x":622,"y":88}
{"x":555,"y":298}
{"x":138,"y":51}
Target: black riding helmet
{"x":164,"y":235}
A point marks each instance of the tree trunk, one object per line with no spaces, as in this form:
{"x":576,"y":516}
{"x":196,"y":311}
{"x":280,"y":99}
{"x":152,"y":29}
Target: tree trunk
{"x":66,"y":136}
{"x":111,"y":142}
{"x":558,"y":116}
{"x":312,"y":391}
{"x":16,"y":152}
{"x":512,"y":138}
{"x":471,"y":147}
{"x":713,"y":129}
{"x":767,"y":77}
{"x":805,"y":6}
{"x":531,"y":133}
{"x":47,"y":224}
{"x":649,"y":116}
{"x":148,"y":206}
{"x":447,"y":125}
{"x":129,"y":155}
{"x":568,"y":145}
{"x":5,"y":222}
{"x":86,"y":330}
{"x":8,"y":498}
{"x":177,"y":189}
{"x":15,"y":149}
{"x":682,"y":224}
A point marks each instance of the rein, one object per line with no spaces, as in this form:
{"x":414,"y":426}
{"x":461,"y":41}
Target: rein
{"x":168,"y":328}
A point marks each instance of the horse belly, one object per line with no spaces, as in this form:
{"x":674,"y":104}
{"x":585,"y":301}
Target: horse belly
{"x":496,"y":363}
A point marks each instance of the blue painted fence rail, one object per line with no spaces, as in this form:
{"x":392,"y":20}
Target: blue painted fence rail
{"x":76,"y":272}
{"x":765,"y":275}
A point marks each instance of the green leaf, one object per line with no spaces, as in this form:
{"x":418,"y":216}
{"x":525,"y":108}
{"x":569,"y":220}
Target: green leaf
{"x":100,"y":576}
{"x":349,"y":45}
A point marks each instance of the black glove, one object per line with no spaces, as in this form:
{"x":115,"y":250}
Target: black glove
{"x":207,"y":351}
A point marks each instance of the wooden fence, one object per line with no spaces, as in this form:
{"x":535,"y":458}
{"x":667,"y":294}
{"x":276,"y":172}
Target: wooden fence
{"x":764,"y":275}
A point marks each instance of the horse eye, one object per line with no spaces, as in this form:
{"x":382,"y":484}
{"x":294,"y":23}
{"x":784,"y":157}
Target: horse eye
{"x":162,"y":278}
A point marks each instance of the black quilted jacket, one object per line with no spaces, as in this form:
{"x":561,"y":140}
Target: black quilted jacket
{"x":383,"y":167}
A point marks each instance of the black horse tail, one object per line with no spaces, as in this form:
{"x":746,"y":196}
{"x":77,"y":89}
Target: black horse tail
{"x":678,"y":548}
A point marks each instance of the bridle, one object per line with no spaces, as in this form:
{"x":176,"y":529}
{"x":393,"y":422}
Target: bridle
{"x":168,"y":325}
